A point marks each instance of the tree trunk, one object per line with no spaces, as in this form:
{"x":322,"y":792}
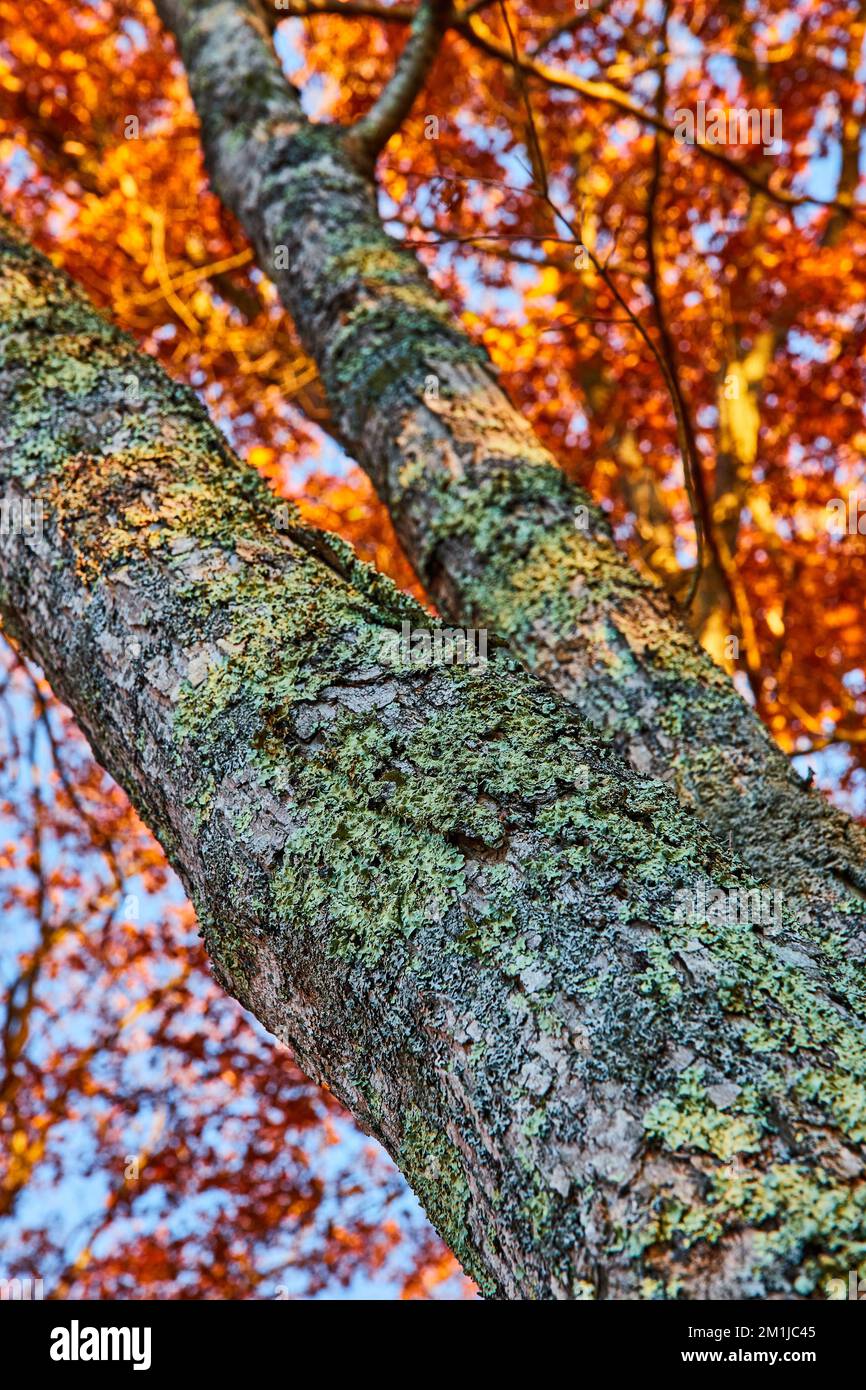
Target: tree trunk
{"x":459,"y":909}
{"x":489,"y":521}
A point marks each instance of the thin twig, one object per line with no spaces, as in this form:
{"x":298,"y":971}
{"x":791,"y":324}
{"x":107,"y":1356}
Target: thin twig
{"x":686,"y":437}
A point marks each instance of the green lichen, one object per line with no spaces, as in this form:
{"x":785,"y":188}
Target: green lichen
{"x":689,"y":1120}
{"x":419,"y":839}
{"x":436,"y":1171}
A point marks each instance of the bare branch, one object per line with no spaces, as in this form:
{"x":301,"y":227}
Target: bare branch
{"x":351,"y":9}
{"x":664,"y":358}
{"x":568,"y":26}
{"x":692,"y":470}
{"x":471,"y":27}
{"x":371,"y":133}
{"x":481,"y":36}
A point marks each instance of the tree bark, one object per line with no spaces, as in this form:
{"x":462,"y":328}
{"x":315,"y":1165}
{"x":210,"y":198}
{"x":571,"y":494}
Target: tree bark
{"x":458,"y":908}
{"x":486,"y":516}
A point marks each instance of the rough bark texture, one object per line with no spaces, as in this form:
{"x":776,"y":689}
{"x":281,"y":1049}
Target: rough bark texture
{"x":485,"y":514}
{"x":435,"y":884}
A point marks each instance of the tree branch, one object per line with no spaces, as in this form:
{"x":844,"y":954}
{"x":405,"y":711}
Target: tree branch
{"x":488,"y":520}
{"x":662,"y":355}
{"x":568,"y":26}
{"x":428,"y":879}
{"x":353,"y":9}
{"x":476,"y":32}
{"x":369,"y":136}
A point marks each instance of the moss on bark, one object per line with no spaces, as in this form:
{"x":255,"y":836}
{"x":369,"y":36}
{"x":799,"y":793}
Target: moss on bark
{"x":434,"y":883}
{"x":485,"y":514}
